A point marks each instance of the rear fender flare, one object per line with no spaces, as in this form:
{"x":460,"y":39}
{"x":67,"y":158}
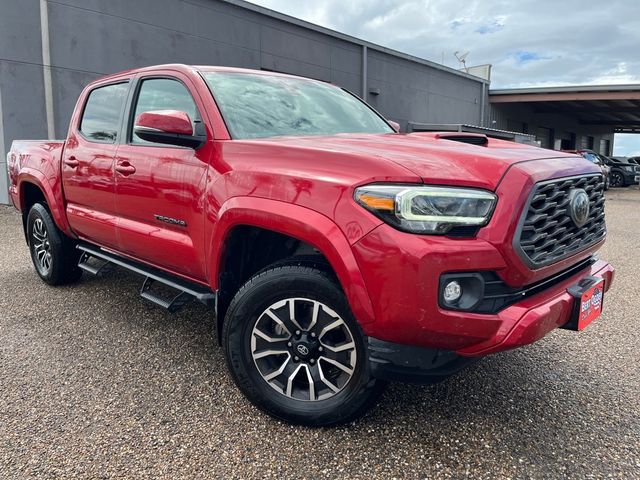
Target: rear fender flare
{"x":300,"y":223}
{"x":52,"y":194}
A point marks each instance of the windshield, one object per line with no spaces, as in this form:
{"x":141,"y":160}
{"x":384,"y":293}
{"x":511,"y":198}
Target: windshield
{"x":591,"y":157}
{"x":260,"y":106}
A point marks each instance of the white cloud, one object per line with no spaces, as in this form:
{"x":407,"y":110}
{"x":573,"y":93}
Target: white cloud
{"x":530,"y":42}
{"x":535,"y":43}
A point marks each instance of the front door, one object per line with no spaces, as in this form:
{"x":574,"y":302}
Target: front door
{"x":87,"y":164}
{"x":160,"y":188}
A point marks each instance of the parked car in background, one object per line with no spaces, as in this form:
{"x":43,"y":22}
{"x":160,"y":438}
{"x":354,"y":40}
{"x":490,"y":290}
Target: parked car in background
{"x":634,"y":160}
{"x":595,"y":158}
{"x":623,"y":173}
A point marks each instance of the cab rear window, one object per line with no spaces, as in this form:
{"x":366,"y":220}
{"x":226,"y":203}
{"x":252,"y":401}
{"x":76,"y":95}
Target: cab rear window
{"x":101,"y":116}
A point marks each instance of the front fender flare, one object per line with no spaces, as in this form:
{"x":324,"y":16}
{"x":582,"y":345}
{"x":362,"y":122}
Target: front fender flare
{"x":303,"y":224}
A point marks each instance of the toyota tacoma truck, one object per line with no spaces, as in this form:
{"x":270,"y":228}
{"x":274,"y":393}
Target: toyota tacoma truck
{"x":336,"y":253}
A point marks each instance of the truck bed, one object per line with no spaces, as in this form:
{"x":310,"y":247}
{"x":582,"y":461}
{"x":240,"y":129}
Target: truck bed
{"x":35,"y":158}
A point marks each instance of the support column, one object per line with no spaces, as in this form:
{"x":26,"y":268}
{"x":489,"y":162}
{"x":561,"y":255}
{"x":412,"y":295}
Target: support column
{"x":46,"y":69}
{"x":364,"y":73}
{"x":483,"y":122}
{"x":4,"y":181}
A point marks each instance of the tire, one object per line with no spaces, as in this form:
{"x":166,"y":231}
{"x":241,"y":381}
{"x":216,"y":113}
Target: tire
{"x":316,"y":262}
{"x":616,"y":180}
{"x":249,"y":331}
{"x":53,"y":253}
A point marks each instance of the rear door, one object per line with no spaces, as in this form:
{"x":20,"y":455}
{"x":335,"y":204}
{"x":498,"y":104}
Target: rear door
{"x":88,"y":161}
{"x":160,"y":188}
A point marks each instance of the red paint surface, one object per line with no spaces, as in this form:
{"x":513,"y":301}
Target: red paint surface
{"x":303,"y":186}
{"x":170,"y":121}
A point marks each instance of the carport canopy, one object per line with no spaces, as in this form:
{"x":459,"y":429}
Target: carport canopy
{"x":613,"y":106}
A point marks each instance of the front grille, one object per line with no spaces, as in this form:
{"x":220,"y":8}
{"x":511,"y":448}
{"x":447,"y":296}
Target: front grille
{"x":547,"y":232}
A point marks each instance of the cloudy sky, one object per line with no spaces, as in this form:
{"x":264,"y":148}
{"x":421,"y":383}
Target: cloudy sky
{"x":528,"y":42}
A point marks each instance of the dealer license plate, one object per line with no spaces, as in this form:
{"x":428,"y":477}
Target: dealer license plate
{"x":588,"y":295}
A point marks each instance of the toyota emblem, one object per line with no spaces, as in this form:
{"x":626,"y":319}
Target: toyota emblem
{"x":579,"y":206}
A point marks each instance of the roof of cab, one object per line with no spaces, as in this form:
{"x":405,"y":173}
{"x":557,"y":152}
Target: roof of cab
{"x":180,"y":67}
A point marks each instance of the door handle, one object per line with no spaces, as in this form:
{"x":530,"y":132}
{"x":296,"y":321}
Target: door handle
{"x":71,"y":162}
{"x":125,"y":168}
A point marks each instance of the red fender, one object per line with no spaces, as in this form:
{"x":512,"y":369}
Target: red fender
{"x":301,"y":223}
{"x":52,"y":193}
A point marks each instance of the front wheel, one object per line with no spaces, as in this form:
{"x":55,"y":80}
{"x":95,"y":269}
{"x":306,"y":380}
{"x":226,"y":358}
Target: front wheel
{"x":295,"y":350}
{"x":616,"y":180}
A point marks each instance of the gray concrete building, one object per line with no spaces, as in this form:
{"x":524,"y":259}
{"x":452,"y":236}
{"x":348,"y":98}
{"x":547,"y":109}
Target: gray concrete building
{"x":50,"y":49}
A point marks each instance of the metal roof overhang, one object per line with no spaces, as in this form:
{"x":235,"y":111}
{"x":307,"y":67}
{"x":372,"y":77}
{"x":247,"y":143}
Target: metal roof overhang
{"x":613,"y":106}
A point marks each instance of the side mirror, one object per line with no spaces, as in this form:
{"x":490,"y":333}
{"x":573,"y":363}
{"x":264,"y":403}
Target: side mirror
{"x":394,"y":125}
{"x":170,"y":127}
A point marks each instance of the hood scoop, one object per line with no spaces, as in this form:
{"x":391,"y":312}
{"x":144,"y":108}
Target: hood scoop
{"x":470,"y":138}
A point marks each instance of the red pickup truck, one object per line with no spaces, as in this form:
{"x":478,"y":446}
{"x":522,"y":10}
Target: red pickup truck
{"x":337,"y":253}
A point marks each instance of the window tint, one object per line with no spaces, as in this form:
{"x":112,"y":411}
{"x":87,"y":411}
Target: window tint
{"x":163,"y":94}
{"x":101,"y":116}
{"x":256,"y":106}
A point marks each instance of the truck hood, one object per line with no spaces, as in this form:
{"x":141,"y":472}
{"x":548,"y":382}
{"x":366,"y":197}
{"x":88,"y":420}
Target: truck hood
{"x":435,"y":157}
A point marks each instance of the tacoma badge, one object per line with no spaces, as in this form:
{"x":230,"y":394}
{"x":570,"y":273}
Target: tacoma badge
{"x":170,"y":220}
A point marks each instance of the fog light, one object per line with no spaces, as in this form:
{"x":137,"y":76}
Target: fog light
{"x":460,"y":291}
{"x":452,"y":292}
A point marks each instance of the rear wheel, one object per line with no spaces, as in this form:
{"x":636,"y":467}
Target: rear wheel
{"x":616,"y":180}
{"x":53,"y":254}
{"x":295,"y":350}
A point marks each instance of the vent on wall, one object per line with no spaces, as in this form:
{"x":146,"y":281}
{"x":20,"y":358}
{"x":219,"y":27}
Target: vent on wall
{"x":470,"y":138}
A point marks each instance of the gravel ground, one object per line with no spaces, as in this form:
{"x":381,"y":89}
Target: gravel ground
{"x":96,"y":383}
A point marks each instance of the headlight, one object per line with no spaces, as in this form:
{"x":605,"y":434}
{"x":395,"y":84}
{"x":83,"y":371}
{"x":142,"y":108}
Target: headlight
{"x":427,"y":209}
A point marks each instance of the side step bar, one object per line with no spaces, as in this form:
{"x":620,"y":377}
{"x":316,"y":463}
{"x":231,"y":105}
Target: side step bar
{"x":186,"y":291}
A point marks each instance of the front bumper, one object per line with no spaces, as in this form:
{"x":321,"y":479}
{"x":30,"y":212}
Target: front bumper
{"x":517,"y":325}
{"x":530,"y":320}
{"x":630,"y":178}
{"x":520,"y":324}
{"x":402,"y":272}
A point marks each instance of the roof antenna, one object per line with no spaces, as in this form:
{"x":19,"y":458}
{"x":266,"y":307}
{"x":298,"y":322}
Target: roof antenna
{"x":462,"y":60}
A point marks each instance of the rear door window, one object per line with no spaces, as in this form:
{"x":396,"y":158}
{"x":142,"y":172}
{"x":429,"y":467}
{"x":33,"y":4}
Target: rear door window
{"x":101,"y":116}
